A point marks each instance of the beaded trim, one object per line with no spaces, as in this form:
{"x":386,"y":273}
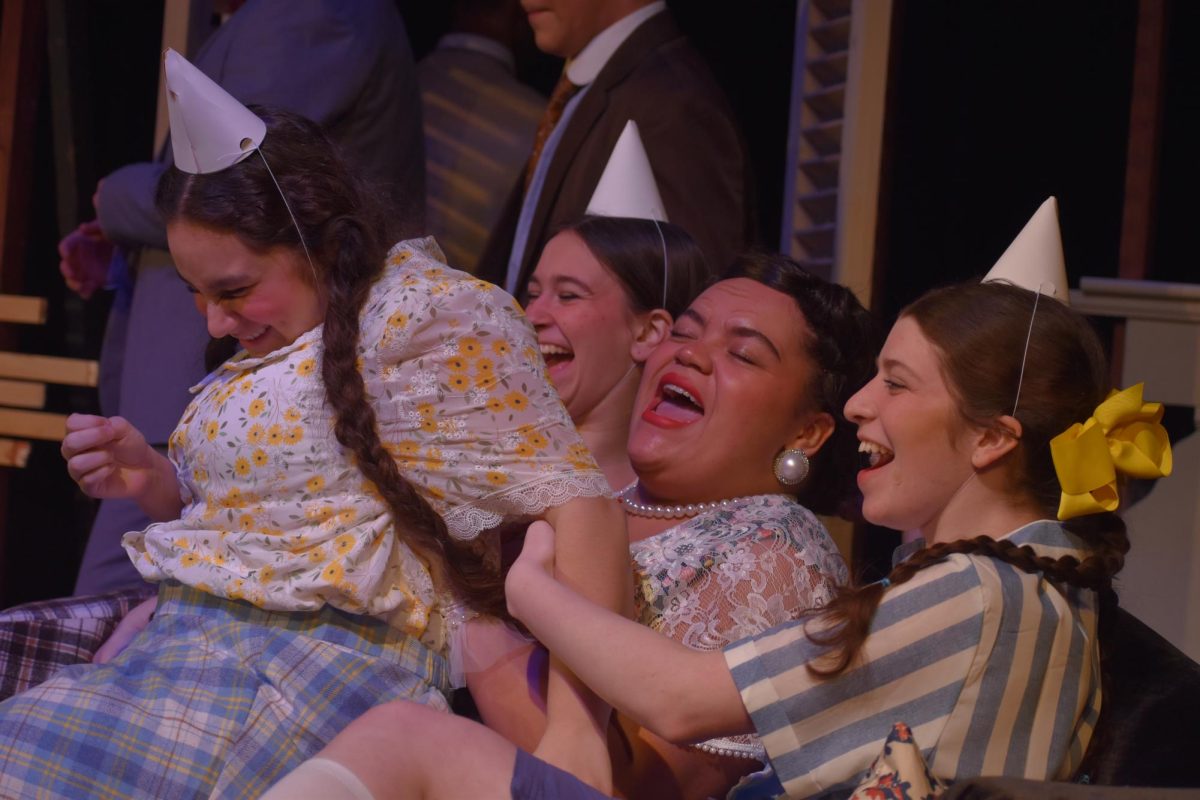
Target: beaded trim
{"x":683,"y":511}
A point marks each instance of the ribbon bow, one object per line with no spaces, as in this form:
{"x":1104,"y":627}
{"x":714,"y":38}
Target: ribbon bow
{"x":1123,"y":435}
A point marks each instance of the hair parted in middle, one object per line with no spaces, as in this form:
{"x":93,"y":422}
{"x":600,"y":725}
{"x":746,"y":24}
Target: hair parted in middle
{"x":632,"y":250}
{"x":345,"y":227}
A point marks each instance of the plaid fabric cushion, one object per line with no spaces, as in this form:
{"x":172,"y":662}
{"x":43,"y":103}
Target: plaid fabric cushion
{"x":39,"y":639}
{"x":215,"y":698}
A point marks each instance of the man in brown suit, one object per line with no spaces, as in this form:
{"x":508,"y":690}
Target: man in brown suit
{"x":627,"y":60}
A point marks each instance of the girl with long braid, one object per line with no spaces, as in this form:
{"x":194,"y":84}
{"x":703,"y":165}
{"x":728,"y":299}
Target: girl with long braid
{"x":983,"y":643}
{"x":320,"y":513}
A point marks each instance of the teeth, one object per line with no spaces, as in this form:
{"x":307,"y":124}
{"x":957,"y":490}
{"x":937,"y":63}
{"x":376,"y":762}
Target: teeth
{"x":878,"y":453}
{"x":673,"y":389}
{"x":553,"y":350}
{"x":251,"y":337}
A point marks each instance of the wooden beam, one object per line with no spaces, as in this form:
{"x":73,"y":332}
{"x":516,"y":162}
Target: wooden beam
{"x":21,"y":40}
{"x":59,"y":55}
{"x":862,"y":147}
{"x":22,"y":394}
{"x":1145,"y":135}
{"x":184,"y":29}
{"x":14,"y":453}
{"x":33,"y":424}
{"x":51,"y":369}
{"x":21,"y":308}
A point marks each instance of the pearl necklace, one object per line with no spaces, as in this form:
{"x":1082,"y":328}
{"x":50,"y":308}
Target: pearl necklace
{"x":654,"y":510}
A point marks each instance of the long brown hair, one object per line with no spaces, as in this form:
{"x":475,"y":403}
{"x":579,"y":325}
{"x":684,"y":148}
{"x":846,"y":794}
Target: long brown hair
{"x":345,"y":228}
{"x":979,"y":331}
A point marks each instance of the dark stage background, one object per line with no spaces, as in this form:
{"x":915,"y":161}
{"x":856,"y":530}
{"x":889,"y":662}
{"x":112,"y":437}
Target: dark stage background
{"x":992,"y":106}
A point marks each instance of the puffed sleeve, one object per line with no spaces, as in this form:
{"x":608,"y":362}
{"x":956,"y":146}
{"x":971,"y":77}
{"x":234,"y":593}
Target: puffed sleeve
{"x":926,"y":642}
{"x":462,"y":397}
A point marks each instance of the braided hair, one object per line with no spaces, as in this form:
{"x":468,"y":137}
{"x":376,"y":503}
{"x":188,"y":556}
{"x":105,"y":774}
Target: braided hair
{"x":345,"y":227}
{"x":979,"y":332}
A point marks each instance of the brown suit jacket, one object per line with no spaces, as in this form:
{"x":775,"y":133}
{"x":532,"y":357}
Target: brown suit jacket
{"x":657,"y":79}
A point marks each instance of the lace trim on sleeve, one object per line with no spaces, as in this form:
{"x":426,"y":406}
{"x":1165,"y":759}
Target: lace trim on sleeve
{"x":528,"y":499}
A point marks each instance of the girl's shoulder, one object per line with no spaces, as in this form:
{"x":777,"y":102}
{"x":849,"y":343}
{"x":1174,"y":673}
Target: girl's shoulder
{"x":959,"y":578}
{"x":419,"y":292}
{"x":413,"y":263}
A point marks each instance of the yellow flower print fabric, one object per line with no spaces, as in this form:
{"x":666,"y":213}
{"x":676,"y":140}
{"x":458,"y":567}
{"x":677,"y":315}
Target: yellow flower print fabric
{"x":275,"y":510}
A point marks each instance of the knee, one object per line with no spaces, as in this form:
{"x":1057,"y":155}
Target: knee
{"x":403,"y":714}
{"x":421,"y":728}
{"x":398,"y":715}
{"x":390,"y":747}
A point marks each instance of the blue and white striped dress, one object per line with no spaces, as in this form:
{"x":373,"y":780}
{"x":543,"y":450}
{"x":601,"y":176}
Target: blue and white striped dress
{"x":995,"y":670}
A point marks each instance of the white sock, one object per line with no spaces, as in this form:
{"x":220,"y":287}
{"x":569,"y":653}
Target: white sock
{"x":319,"y":779}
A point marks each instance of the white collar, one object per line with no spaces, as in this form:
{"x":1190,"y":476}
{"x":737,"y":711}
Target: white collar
{"x":584,"y":67}
{"x":478,"y":44}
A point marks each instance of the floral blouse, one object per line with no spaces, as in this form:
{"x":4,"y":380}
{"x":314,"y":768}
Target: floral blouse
{"x":734,"y":572}
{"x":275,"y":510}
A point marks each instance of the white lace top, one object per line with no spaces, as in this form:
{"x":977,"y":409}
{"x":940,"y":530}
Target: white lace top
{"x":734,"y":572}
{"x":275,"y":510}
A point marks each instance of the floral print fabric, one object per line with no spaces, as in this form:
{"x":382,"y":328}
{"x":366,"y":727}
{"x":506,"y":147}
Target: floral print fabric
{"x":275,"y":510}
{"x":734,"y":572}
{"x":900,"y":771}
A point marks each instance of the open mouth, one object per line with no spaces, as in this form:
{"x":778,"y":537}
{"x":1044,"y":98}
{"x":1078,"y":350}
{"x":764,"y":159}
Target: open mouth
{"x":874,"y":455}
{"x":253,"y":337}
{"x":554,"y":355}
{"x":676,"y":403}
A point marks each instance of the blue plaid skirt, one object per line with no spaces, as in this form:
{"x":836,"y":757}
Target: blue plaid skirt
{"x":214,"y":697}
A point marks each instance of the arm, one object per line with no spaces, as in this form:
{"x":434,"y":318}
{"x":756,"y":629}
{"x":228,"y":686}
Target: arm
{"x":678,"y":693}
{"x":125,"y":205}
{"x":593,"y":559}
{"x":109,"y":458}
{"x":522,"y":457}
{"x":509,"y":689}
{"x":592,"y":551}
{"x":506,"y":673}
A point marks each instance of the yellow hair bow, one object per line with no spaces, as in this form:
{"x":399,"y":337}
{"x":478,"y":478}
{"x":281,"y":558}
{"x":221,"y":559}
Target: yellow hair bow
{"x":1123,"y":435}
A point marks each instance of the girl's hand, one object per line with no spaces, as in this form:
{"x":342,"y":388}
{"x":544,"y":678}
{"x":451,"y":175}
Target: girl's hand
{"x":538,"y":551}
{"x":85,"y":254}
{"x":107,"y":457}
{"x":535,"y":561}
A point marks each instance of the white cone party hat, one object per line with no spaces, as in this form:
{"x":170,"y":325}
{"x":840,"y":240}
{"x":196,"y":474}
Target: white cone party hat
{"x":1034,"y":260}
{"x":210,"y":130}
{"x":627,"y":187}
